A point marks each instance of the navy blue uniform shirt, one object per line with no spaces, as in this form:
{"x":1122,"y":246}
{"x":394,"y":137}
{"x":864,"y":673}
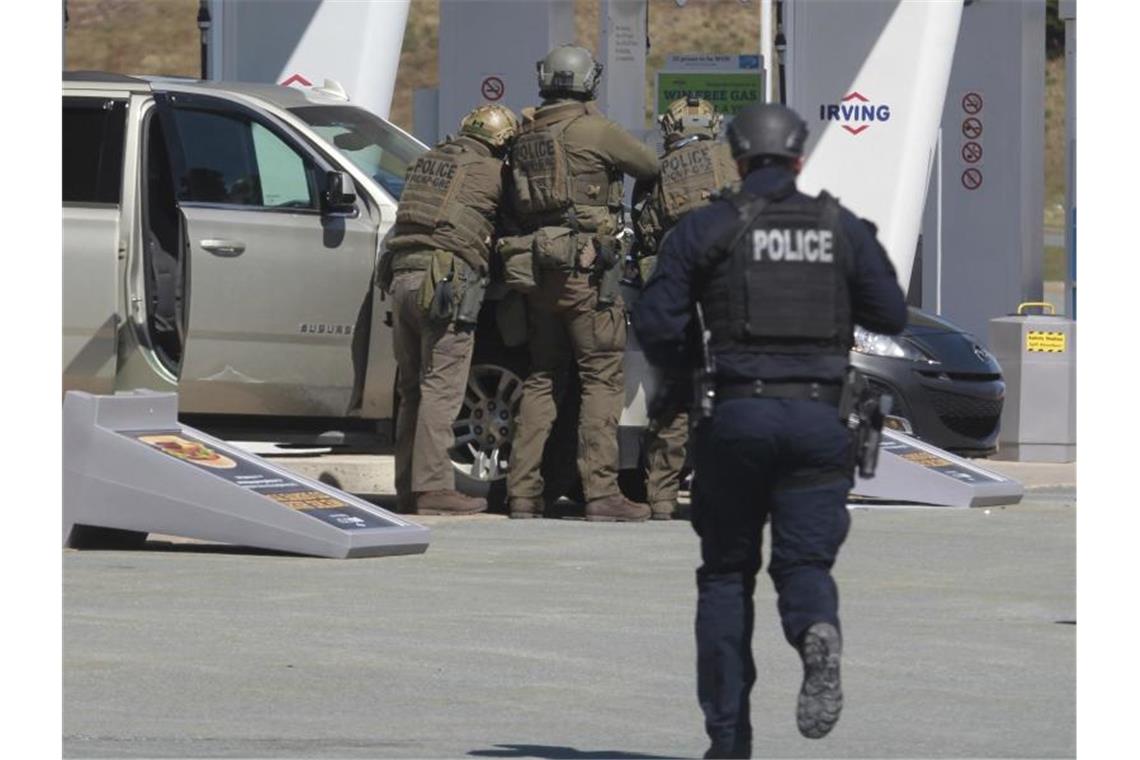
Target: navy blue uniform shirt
{"x":664,"y":318}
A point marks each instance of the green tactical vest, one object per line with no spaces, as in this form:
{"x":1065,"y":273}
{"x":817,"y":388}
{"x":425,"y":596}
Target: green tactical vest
{"x":545,"y":188}
{"x":439,"y":202}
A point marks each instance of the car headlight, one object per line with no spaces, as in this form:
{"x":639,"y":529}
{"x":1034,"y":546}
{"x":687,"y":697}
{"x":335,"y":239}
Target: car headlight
{"x":876,"y":344}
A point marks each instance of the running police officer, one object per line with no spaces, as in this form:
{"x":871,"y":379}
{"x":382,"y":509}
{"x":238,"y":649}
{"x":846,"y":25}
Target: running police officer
{"x":780,"y":278}
{"x":695,"y":165}
{"x":566,"y":193}
{"x":436,"y":269}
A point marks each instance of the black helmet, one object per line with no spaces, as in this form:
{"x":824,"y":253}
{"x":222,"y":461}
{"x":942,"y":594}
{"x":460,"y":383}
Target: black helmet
{"x":767,"y":129}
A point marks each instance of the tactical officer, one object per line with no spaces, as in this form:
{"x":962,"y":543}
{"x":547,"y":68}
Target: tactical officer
{"x":437,"y":255}
{"x":780,"y":278}
{"x":566,"y":191}
{"x":695,"y":165}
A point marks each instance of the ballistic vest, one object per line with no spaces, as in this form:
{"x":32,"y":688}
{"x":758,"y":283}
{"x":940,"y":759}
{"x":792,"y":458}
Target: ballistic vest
{"x":546,"y":189}
{"x":778,"y":284}
{"x":689,"y":175}
{"x":440,"y":206}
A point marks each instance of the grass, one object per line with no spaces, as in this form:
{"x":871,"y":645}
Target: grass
{"x":1053,"y":268}
{"x":1054,"y":212}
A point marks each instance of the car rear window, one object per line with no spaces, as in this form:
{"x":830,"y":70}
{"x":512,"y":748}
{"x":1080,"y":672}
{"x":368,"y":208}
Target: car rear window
{"x":93,"y":131}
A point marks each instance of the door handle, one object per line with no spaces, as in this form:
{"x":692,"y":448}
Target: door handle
{"x":223,"y":247}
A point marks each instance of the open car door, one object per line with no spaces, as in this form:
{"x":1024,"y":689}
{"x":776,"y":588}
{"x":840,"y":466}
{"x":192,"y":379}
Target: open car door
{"x":280,"y":256}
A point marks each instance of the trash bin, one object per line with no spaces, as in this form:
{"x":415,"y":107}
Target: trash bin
{"x":1038,"y":357}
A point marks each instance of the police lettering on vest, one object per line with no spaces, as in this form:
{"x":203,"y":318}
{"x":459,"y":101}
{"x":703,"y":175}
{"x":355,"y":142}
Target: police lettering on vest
{"x":685,"y":163}
{"x":433,"y":173}
{"x":540,"y":151}
{"x":792,"y":245}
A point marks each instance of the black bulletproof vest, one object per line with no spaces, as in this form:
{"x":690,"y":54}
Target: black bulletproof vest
{"x":778,"y":283}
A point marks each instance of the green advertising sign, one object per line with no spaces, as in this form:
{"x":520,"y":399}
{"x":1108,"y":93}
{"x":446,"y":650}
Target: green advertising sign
{"x":728,"y":91}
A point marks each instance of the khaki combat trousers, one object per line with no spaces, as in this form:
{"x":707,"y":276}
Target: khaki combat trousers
{"x":567,"y":325}
{"x":433,"y":363}
{"x":665,"y":456}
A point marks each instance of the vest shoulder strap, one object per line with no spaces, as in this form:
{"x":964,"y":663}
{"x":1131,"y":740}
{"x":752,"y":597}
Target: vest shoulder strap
{"x":748,"y":207}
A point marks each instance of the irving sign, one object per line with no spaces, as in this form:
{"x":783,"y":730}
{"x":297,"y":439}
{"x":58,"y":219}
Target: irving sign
{"x":855,"y":112}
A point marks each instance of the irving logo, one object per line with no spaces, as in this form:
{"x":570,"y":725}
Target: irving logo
{"x":855,"y":112}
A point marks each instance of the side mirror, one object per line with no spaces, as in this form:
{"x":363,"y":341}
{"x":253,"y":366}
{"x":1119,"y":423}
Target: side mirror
{"x":340,"y":193}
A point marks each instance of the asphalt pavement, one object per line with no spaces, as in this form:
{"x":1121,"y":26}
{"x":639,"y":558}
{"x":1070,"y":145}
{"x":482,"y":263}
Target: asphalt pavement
{"x":568,"y":639}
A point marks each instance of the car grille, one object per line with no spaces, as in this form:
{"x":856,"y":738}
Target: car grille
{"x":966,"y":415}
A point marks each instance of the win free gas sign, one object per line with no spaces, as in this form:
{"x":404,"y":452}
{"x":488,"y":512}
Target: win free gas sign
{"x":855,"y":112}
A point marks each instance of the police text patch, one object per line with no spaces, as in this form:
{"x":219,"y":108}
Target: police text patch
{"x":679,"y":166}
{"x":433,"y":172}
{"x":814,"y":246}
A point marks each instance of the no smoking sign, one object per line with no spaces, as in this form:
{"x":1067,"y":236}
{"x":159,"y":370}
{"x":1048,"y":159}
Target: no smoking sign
{"x":492,"y":88}
{"x":972,"y":103}
{"x":971,"y":179}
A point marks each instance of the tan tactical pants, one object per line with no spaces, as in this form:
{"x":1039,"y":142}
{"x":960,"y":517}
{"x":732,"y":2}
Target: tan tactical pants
{"x":433,"y":363}
{"x":566,"y":325}
{"x":665,"y":456}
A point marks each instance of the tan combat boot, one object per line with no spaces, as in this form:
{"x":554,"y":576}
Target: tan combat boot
{"x":616,"y":508}
{"x":522,"y":509}
{"x":448,"y":503}
{"x":663,"y":510}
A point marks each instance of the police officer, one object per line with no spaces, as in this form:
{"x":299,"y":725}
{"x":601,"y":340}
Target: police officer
{"x":437,"y":254}
{"x":781,"y":277}
{"x":566,"y":169}
{"x":695,"y":165}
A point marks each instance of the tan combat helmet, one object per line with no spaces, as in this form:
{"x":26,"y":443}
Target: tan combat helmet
{"x":491,"y":124}
{"x":568,"y":70}
{"x":689,"y":117}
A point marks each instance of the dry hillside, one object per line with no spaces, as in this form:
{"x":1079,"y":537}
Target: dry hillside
{"x":161,"y":37}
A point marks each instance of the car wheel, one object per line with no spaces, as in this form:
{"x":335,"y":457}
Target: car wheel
{"x":484,"y":430}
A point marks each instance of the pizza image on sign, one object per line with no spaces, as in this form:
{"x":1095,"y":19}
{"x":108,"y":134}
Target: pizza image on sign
{"x":191,"y":451}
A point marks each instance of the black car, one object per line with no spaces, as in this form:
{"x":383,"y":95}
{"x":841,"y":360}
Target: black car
{"x":947,"y":389}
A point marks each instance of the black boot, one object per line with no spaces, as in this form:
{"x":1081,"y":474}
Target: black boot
{"x":821,"y":698}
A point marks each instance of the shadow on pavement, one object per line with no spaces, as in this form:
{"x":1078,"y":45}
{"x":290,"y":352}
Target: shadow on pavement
{"x":559,"y":753}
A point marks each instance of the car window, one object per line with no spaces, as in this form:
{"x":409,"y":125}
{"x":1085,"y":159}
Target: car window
{"x":376,"y":147}
{"x":93,"y":130}
{"x":230,"y":159}
{"x":284,"y":181}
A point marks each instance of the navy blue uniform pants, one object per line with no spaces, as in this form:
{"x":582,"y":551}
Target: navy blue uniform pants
{"x":762,"y":460}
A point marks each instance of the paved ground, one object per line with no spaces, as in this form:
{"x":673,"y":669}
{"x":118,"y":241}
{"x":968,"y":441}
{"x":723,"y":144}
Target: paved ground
{"x":567,"y":639}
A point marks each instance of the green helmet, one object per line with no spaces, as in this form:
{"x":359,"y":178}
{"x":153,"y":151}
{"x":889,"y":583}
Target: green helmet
{"x":686,"y":117}
{"x":568,"y":69}
{"x":490,"y":123}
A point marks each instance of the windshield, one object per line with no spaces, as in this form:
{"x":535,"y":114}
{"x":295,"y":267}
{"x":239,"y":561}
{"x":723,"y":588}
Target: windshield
{"x":375,"y":146}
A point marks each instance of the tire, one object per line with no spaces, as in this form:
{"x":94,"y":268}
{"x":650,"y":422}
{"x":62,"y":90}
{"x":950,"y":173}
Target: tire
{"x":94,"y":537}
{"x":481,"y":455}
{"x":484,"y":431}
{"x":494,"y":386}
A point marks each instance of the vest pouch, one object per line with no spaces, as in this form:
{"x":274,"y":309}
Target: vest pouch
{"x":556,"y":248}
{"x":437,"y":296}
{"x":517,"y":255}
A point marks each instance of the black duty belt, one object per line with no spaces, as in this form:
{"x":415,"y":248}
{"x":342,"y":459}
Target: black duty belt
{"x":826,"y":392}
